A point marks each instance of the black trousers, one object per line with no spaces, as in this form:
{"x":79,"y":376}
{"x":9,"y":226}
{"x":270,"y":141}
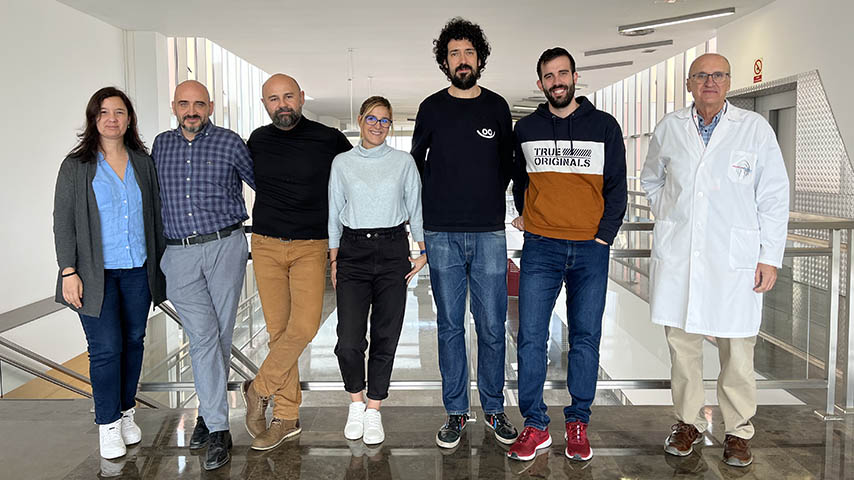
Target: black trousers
{"x":372,"y":266}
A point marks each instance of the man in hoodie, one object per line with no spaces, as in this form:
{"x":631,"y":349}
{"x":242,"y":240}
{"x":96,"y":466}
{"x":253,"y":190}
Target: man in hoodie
{"x":570,"y":189}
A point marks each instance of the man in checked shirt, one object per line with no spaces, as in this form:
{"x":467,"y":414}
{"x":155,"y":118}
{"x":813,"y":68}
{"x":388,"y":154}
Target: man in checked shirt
{"x":200,"y":167}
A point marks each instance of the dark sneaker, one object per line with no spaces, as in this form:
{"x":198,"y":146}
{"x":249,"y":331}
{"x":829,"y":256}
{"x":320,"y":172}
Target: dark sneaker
{"x":256,"y":408}
{"x":577,"y":445}
{"x":200,"y":434}
{"x":737,"y":451}
{"x":450,"y":433}
{"x":525,"y":447}
{"x":218,"y":450}
{"x":682,"y":439}
{"x":505,"y":432}
{"x":279,"y":431}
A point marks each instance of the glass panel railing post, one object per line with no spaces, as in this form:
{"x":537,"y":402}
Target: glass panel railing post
{"x":849,"y":378}
{"x":833,"y":324}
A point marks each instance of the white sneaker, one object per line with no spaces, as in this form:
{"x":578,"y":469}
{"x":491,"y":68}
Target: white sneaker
{"x":131,"y":433}
{"x":112,"y":445}
{"x":373,"y":428}
{"x":353,"y":429}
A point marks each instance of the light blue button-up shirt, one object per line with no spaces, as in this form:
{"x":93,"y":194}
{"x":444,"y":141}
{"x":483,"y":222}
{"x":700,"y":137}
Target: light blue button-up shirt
{"x":706,"y":130}
{"x":120,"y":210}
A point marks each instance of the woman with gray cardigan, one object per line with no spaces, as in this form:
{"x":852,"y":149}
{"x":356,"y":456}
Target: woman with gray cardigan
{"x":109,"y":239}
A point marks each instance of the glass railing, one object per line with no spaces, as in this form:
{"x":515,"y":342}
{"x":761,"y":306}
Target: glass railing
{"x":802,"y":320}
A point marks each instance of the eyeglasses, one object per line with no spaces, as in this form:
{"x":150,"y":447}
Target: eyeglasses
{"x":717,"y":77}
{"x":372,"y":120}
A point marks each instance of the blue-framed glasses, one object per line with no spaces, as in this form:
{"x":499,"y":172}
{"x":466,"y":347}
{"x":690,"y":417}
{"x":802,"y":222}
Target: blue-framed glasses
{"x":372,"y":120}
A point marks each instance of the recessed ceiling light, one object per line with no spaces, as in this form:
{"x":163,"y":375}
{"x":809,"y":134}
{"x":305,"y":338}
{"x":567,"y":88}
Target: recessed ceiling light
{"x":664,"y":22}
{"x":625,"y":48}
{"x":604,"y":65}
{"x":524,"y":108}
{"x":638,"y":33}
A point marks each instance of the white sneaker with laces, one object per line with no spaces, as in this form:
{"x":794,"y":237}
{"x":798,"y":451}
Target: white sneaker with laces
{"x":131,"y":433}
{"x":354,"y":428}
{"x":373,"y":428}
{"x":112,"y":445}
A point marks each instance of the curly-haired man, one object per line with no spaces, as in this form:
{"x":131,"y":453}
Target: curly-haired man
{"x":468,"y":131}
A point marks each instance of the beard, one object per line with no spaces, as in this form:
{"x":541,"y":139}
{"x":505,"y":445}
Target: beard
{"x":285,"y":118}
{"x":195,"y":129}
{"x":465,"y":80}
{"x":567,"y":99}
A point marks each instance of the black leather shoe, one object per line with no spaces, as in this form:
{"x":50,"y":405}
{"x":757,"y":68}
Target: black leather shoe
{"x":218,"y":450}
{"x":200,"y":434}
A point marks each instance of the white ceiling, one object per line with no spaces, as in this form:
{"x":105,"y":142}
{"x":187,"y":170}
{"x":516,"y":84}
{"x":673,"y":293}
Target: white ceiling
{"x":392,"y":41}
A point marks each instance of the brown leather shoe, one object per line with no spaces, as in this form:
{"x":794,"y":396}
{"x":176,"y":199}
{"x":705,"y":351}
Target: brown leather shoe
{"x":682,"y":439}
{"x":737,"y":451}
{"x":256,"y":408}
{"x":279,"y":431}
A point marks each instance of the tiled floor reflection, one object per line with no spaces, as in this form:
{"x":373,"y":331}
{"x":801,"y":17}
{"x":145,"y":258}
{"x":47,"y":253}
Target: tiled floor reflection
{"x":56,"y":439}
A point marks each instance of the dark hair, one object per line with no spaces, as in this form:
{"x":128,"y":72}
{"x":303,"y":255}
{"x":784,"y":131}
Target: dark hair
{"x":90,"y":140}
{"x":550,"y":55}
{"x":459,"y":28}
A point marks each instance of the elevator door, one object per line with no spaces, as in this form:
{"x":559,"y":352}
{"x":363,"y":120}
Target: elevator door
{"x":780,"y":111}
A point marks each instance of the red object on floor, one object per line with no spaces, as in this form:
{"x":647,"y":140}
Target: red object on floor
{"x":512,"y":279}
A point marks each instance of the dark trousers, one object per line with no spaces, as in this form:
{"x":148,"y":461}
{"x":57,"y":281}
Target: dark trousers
{"x":372,"y":266}
{"x":115,"y":342}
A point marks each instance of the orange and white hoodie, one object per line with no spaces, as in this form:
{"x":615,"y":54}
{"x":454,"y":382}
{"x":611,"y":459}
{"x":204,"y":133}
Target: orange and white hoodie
{"x":570,"y":179}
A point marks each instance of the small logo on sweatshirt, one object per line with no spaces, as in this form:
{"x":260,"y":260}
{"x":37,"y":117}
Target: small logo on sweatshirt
{"x":486,"y":133}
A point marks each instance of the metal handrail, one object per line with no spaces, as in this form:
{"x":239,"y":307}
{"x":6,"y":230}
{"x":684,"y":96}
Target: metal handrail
{"x":32,"y":371}
{"x":31,"y":355}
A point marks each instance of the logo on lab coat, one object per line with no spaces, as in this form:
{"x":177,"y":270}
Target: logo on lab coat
{"x":741,"y":167}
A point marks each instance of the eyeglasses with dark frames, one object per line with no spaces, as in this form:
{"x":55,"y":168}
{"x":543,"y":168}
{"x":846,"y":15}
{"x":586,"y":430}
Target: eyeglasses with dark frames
{"x":372,"y":120}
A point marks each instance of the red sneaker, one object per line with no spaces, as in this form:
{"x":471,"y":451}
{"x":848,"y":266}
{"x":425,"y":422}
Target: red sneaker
{"x":577,"y":445}
{"x":530,"y":440}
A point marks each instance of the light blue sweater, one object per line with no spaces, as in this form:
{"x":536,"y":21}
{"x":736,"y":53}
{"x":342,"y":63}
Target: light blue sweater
{"x":374,"y":188}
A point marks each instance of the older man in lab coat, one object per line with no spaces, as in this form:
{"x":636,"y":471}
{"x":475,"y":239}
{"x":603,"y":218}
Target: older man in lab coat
{"x":718,"y":188}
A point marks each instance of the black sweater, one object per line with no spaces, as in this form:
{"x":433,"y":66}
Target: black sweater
{"x":292,"y":178}
{"x":470,"y":160}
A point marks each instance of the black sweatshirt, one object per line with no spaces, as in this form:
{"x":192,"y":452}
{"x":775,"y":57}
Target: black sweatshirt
{"x":292,"y":178}
{"x":469,"y":164}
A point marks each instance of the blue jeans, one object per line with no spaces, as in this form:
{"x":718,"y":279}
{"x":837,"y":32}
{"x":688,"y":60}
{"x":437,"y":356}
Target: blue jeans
{"x":115,"y":341}
{"x":476,"y":260}
{"x":546,"y":264}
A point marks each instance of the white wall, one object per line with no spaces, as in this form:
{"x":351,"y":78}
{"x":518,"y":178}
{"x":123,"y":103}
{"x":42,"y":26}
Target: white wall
{"x":793,"y":36}
{"x":54,"y":58}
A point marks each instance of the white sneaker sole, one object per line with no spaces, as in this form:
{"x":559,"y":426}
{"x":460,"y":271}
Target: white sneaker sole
{"x":112,"y":455}
{"x":545,"y":444}
{"x":501,"y":439}
{"x":578,"y":457}
{"x":374,"y":441}
{"x":448,"y":444}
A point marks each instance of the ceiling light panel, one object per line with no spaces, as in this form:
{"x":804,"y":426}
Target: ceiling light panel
{"x":664,"y":22}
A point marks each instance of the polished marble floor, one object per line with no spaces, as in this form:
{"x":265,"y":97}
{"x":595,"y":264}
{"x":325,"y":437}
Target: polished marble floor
{"x":55,"y":439}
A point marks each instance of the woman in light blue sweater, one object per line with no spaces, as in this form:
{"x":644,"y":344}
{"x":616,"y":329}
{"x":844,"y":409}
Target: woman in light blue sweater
{"x":373,"y":191}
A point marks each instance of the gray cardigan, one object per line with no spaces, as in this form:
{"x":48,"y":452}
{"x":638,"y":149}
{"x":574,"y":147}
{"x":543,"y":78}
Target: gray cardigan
{"x":77,"y":229}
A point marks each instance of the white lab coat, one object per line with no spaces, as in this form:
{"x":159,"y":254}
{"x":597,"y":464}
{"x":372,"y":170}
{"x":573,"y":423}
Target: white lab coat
{"x":719,"y":210}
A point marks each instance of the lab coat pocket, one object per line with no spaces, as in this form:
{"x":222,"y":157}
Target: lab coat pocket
{"x":742,"y":166}
{"x":662,"y":238}
{"x":743,"y":248}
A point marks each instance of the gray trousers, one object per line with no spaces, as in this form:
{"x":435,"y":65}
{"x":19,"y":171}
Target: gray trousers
{"x":203,"y":283}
